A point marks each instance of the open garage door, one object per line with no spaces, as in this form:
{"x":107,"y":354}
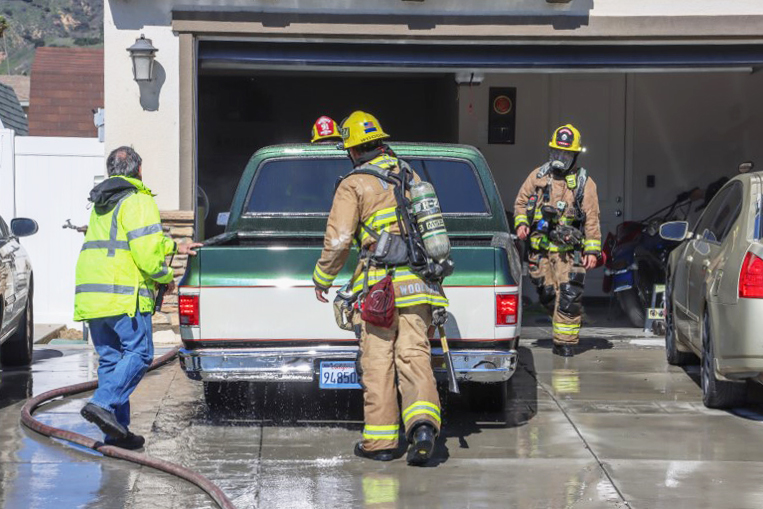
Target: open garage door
{"x":657,"y":120}
{"x":244,"y":110}
{"x":253,"y":94}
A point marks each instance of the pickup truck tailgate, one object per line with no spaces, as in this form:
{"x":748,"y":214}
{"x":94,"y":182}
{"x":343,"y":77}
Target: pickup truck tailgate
{"x":251,"y":293}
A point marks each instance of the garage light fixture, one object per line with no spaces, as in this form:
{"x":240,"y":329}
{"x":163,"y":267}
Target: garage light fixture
{"x":142,"y":54}
{"x":469,"y":78}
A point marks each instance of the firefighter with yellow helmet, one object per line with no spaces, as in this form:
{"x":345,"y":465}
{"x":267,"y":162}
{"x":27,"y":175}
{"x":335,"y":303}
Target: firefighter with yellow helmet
{"x":325,"y":131}
{"x":394,"y":358}
{"x":557,"y":209}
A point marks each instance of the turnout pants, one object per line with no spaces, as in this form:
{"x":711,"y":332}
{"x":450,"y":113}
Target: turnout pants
{"x":392,"y":360}
{"x":560,"y":283}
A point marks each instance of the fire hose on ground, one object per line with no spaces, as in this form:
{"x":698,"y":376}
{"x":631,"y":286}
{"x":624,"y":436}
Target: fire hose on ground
{"x":116,"y":452}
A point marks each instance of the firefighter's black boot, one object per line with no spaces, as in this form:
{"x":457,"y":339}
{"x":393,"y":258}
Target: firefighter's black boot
{"x":383,"y":455}
{"x":422,"y":445}
{"x":564,"y":350}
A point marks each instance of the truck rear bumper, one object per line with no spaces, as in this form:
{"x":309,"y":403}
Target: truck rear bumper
{"x":301,"y":364}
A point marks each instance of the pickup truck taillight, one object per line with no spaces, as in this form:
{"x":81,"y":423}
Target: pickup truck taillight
{"x":188,"y":307}
{"x":506,"y":308}
{"x":751,"y":277}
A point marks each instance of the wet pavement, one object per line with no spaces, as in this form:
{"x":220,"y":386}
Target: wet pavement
{"x":613,"y":427}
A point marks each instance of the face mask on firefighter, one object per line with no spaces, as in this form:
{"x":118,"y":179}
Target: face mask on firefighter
{"x":561,"y":160}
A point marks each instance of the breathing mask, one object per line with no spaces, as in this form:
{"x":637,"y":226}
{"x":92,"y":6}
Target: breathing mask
{"x":561,"y":160}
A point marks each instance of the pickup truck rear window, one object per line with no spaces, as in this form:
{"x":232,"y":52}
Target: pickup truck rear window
{"x":306,"y":186}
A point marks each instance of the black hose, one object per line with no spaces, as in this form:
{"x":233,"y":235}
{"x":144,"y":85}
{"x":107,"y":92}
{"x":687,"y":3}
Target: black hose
{"x":117,"y":452}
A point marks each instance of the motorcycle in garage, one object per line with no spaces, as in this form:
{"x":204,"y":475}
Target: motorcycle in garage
{"x":636,"y":258}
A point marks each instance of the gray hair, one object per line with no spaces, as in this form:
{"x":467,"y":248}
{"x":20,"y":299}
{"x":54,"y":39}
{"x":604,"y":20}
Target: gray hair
{"x":124,"y":161}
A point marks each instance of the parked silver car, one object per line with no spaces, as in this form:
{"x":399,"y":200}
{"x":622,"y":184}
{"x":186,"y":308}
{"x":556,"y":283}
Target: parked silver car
{"x":16,"y":291}
{"x":714,"y":292}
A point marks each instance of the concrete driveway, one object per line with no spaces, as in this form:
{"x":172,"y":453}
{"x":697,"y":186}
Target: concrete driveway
{"x":613,"y":427}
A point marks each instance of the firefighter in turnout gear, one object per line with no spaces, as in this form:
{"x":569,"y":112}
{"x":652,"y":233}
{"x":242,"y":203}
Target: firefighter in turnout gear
{"x":557,"y":209}
{"x":391,"y":359}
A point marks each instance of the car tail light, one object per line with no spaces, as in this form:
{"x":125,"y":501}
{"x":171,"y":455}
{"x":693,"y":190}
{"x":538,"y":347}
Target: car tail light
{"x":188,"y":306}
{"x":506,"y":305}
{"x":751,"y":277}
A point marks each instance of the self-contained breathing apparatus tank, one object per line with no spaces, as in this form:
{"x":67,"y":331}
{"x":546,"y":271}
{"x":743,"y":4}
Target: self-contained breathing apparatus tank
{"x":431,"y":225}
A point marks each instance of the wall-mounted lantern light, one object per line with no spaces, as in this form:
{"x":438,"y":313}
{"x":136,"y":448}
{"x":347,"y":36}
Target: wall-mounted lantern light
{"x":142,"y":54}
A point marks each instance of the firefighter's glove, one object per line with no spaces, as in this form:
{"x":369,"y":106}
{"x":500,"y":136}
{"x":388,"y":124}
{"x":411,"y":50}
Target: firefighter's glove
{"x":439,"y":316}
{"x":343,"y":312}
{"x":565,"y":235}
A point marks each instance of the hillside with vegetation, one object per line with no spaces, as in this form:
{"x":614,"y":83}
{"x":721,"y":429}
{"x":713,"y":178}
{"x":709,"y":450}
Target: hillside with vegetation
{"x":30,"y":24}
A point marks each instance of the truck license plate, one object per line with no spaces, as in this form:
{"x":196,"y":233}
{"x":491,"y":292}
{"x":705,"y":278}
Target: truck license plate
{"x":338,"y":375}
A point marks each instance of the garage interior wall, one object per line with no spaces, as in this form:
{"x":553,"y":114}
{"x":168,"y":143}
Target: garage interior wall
{"x":241,"y":113}
{"x":686,"y":129}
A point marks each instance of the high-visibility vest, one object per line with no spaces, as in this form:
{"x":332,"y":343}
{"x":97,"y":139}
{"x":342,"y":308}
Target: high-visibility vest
{"x":122,"y":258}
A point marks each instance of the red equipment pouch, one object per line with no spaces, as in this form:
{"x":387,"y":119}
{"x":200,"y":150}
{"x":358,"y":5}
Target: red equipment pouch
{"x":379,"y":305}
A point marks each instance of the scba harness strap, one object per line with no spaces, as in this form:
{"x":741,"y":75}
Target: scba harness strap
{"x":545,"y":191}
{"x":389,"y":247}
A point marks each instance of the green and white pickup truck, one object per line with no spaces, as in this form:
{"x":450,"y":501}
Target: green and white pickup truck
{"x":248,"y":311}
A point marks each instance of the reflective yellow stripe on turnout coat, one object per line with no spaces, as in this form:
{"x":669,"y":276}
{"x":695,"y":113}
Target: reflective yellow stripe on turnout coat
{"x":368,"y":199}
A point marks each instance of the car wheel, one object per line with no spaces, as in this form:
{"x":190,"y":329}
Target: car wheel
{"x":717,"y":393}
{"x":631,"y":304}
{"x":674,"y":356}
{"x":17,"y":350}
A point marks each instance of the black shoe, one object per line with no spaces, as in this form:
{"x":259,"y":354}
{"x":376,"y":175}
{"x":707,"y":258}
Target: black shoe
{"x":564,"y":350}
{"x":105,"y":420}
{"x":423,"y":444}
{"x":131,"y":441}
{"x":383,"y":455}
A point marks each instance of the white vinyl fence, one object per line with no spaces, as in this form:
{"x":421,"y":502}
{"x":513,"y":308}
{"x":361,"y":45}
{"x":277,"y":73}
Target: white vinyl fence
{"x":7,"y":198}
{"x":52,"y":179}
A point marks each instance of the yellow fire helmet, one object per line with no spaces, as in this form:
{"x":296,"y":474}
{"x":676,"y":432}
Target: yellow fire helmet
{"x":566,"y":138}
{"x":325,"y":129}
{"x":361,"y":127}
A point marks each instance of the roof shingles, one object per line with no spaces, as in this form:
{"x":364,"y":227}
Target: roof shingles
{"x":19,"y":84}
{"x":66,"y":86}
{"x":11,"y":114}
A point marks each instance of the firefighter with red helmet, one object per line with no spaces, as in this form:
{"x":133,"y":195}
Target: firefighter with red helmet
{"x":325,"y":131}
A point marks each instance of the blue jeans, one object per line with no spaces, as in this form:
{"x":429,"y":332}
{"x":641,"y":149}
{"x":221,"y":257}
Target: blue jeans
{"x":126,"y":349}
